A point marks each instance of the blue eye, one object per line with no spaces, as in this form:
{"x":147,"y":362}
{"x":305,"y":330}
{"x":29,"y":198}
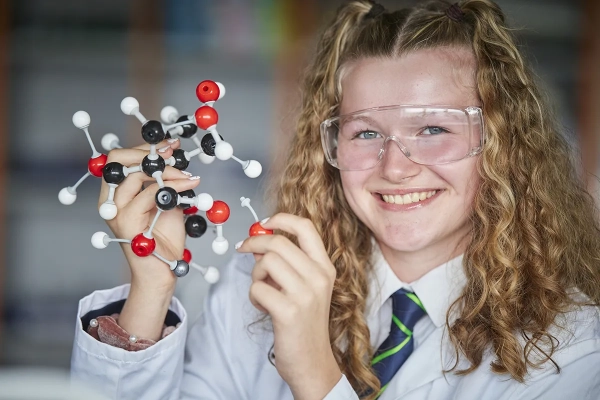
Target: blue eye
{"x":366,"y":135}
{"x":434,"y":130}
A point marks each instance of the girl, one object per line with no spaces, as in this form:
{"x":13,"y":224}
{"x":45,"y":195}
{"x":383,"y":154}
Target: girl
{"x":433,"y":239}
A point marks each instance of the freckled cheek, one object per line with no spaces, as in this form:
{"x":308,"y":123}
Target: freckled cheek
{"x":353,"y":187}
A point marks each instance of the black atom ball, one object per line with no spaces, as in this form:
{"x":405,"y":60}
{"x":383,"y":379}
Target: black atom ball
{"x":152,"y":132}
{"x":195,"y":226}
{"x":208,"y":144}
{"x":181,"y":162}
{"x":186,"y":193}
{"x":189,"y":130}
{"x":151,"y":166}
{"x":113,"y":173}
{"x":166,"y":198}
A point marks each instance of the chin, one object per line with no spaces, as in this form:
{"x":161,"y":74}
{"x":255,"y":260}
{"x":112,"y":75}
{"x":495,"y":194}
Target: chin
{"x":403,"y":243}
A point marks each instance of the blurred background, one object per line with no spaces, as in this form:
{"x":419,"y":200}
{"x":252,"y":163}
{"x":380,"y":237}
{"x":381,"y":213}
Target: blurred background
{"x":58,"y":57}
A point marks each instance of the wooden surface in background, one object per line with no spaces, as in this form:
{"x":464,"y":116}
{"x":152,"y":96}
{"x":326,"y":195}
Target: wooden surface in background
{"x":589,"y":95}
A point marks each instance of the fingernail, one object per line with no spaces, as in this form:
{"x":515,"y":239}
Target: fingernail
{"x":264,"y":221}
{"x":186,"y":173}
{"x":194,"y":178}
{"x":239,"y":244}
{"x":163,"y":149}
{"x":172,"y":140}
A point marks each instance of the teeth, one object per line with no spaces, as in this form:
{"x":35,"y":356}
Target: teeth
{"x":408,"y":198}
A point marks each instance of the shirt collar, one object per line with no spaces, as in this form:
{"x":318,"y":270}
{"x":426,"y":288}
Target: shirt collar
{"x":437,"y":289}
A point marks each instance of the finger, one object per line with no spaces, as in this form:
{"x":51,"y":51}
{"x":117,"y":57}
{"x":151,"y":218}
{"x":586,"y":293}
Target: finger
{"x":174,"y":143}
{"x":308,"y":237}
{"x":145,"y":202}
{"x":126,"y":157}
{"x":268,"y":299}
{"x":282,"y":247}
{"x":132,"y":185}
{"x":283,"y":274}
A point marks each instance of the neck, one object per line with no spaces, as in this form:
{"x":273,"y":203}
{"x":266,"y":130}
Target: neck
{"x":410,"y":266}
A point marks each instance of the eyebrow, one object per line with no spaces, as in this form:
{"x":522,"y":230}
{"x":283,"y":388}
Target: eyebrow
{"x":359,"y":117}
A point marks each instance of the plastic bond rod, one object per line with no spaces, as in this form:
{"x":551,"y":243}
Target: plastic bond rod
{"x":148,"y":234}
{"x":87,"y":135}
{"x":215,"y":134}
{"x":198,"y":267}
{"x":158,"y":176}
{"x":220,"y":230}
{"x":171,"y":264}
{"x":83,"y":178}
{"x":186,"y":200}
{"x":196,"y":141}
{"x":131,"y":170}
{"x":238,"y":160}
{"x":178,"y":130}
{"x":195,"y":152}
{"x":118,"y":240}
{"x":111,"y":192}
{"x":189,"y":120}
{"x":246,"y":203}
{"x":139,"y":116}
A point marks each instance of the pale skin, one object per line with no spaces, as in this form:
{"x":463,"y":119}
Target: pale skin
{"x":294,"y":284}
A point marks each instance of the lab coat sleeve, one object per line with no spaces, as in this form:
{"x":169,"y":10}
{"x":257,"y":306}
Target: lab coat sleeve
{"x":342,"y":391}
{"x":153,"y":373}
{"x":209,"y":370}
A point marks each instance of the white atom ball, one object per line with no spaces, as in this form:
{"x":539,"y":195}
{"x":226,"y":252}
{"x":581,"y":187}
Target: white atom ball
{"x":221,"y":90}
{"x":108,"y":211}
{"x":223,"y":150}
{"x":81,"y":119}
{"x":98,"y":240}
{"x":67,"y":196}
{"x":205,"y":158}
{"x":211,"y":275}
{"x":169,"y":114}
{"x":129,"y":105}
{"x":109,"y":141}
{"x":220,"y":246}
{"x":204,"y":202}
{"x":253,"y":169}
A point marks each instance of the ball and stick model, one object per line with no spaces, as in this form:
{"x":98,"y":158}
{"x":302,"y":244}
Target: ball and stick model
{"x":255,"y":229}
{"x":211,"y":146}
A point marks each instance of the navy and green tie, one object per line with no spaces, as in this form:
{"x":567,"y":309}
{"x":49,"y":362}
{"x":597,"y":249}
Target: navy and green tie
{"x":407,"y":309}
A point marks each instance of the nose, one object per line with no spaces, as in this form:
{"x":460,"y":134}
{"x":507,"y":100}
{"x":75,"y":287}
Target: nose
{"x":395,"y":165}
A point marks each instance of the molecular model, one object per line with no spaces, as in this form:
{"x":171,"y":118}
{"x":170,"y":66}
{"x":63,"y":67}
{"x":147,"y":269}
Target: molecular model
{"x":211,"y":146}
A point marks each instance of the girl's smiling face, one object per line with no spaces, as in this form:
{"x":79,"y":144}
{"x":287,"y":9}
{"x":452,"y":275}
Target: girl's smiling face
{"x":433,"y":230}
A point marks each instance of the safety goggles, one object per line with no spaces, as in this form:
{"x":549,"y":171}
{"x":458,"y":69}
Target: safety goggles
{"x":428,"y":135}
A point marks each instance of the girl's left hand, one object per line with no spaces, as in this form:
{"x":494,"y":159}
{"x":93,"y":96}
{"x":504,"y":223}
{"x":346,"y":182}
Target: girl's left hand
{"x":294,"y":285}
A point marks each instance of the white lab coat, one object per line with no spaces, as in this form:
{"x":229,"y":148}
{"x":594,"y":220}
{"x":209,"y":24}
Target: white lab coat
{"x":221,"y":358}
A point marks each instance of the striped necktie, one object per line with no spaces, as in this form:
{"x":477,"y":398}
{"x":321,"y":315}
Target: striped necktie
{"x":394,"y":351}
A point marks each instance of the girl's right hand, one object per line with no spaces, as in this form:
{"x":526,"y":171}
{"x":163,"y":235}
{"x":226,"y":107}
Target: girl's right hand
{"x":136,"y":211}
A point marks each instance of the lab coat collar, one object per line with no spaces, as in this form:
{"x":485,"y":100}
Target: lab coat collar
{"x":437,"y":289}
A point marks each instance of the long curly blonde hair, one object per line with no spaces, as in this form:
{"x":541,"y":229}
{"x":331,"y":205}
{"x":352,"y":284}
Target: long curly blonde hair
{"x":535,"y":232}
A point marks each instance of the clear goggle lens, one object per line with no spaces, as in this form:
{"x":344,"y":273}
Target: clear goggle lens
{"x":426,"y":135}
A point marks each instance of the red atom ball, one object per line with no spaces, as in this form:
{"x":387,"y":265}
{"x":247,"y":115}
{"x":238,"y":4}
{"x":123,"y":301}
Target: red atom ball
{"x":208,"y":91}
{"x":142,"y":246}
{"x":206,"y":117}
{"x":219,"y":213}
{"x":187,"y":255}
{"x":95,"y":165}
{"x":190,"y":210}
{"x":256,"y":229}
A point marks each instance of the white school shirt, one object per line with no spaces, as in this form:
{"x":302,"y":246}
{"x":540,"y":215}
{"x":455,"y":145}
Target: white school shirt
{"x":221,"y":358}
